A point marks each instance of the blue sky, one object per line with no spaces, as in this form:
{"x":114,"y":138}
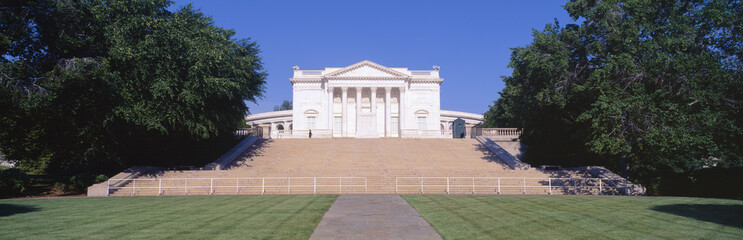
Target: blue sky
{"x":470,"y":40}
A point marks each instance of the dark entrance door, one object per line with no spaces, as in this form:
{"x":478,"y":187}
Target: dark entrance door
{"x":458,"y":130}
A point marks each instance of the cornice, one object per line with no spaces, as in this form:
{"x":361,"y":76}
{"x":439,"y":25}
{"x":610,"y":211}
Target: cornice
{"x":427,"y":80}
{"x":366,"y":78}
{"x":268,"y":115}
{"x":458,"y":114}
{"x":296,"y":80}
{"x":338,"y":75}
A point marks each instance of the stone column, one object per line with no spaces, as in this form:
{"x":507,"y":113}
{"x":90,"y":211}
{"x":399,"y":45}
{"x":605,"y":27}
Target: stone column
{"x":402,"y":109}
{"x":358,"y":108}
{"x":373,"y":100}
{"x":330,"y":110}
{"x":387,"y":112}
{"x":344,"y":112}
{"x":271,"y":131}
{"x":286,"y":128}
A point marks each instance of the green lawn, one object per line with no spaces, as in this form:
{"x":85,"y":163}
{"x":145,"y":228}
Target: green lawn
{"x":581,"y":217}
{"x":194,"y":217}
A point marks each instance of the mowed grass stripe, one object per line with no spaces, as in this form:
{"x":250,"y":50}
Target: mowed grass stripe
{"x":193,"y":217}
{"x":582,"y":217}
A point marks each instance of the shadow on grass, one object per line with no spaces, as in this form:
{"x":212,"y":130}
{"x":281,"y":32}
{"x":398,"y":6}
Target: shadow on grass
{"x":12,"y":209}
{"x":728,"y":215}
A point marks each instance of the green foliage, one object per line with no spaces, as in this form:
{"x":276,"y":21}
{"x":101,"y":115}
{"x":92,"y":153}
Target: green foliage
{"x":89,"y":87}
{"x":708,"y":182}
{"x":653,"y":87}
{"x":101,"y":178}
{"x":286,"y":105}
{"x":13,"y":183}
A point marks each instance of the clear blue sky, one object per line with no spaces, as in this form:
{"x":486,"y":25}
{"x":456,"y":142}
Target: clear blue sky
{"x":470,"y":40}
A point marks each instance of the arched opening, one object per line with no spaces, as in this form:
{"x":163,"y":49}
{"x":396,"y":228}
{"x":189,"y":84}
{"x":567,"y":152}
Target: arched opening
{"x":291,"y":126}
{"x":280,"y":127}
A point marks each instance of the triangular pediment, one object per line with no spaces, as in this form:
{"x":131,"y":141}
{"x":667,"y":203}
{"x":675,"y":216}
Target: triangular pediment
{"x":366,"y":69}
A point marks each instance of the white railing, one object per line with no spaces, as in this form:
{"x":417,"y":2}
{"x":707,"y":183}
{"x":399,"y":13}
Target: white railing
{"x":249,"y":132}
{"x":417,"y":133}
{"x":497,"y":185}
{"x":316,"y":133}
{"x":447,"y":133}
{"x":420,"y":72}
{"x":311,"y":72}
{"x":266,"y":185}
{"x":282,"y":134}
{"x":498,"y":132}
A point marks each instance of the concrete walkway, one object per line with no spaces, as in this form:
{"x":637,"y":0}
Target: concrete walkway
{"x":373,"y":217}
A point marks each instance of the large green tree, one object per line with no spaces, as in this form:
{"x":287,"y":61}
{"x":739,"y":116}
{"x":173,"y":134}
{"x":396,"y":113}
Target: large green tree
{"x":90,"y":86}
{"x":653,"y":87}
{"x":285,"y":105}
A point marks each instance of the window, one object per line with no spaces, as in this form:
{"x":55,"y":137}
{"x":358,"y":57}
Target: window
{"x":421,"y":122}
{"x":394,"y":124}
{"x":311,"y":122}
{"x":422,"y":116}
{"x":310,"y":117}
{"x":337,"y":121}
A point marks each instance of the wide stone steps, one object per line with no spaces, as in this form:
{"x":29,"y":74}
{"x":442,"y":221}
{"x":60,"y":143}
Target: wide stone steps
{"x":380,"y":161}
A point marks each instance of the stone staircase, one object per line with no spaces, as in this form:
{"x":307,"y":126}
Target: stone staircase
{"x":312,"y":165}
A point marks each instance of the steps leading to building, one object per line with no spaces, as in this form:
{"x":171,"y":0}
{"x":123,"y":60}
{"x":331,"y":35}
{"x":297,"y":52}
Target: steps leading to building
{"x":380,"y":161}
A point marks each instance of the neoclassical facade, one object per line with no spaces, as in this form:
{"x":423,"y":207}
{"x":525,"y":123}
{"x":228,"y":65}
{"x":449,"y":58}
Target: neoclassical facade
{"x":363,"y":100}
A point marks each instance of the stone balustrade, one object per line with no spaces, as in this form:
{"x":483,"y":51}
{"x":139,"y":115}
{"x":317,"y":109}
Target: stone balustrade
{"x":316,"y":133}
{"x":498,"y":132}
{"x":417,"y":133}
{"x":249,"y":132}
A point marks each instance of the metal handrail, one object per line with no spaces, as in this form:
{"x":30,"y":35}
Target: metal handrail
{"x":237,"y":185}
{"x":473,"y":186}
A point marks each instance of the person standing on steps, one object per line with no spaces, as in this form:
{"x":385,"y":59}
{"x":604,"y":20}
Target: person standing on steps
{"x":310,"y":133}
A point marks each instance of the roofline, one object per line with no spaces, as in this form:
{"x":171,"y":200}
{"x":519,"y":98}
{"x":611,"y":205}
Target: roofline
{"x":289,"y":113}
{"x":267,"y":115}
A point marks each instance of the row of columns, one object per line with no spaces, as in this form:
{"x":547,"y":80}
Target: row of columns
{"x":387,"y":110}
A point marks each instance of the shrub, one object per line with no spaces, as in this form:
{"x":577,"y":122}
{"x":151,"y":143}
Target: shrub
{"x":79,"y":183}
{"x":101,"y":178}
{"x":60,"y":188}
{"x":708,"y":182}
{"x":13,"y":183}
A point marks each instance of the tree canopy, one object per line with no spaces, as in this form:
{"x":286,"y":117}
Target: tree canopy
{"x":652,"y":87}
{"x":286,"y":105}
{"x":93,"y":85}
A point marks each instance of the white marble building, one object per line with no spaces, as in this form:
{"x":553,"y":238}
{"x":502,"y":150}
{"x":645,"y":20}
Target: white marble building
{"x":364,"y":100}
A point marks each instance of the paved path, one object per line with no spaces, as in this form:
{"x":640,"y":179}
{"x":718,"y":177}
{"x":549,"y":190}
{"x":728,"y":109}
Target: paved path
{"x":373,"y":217}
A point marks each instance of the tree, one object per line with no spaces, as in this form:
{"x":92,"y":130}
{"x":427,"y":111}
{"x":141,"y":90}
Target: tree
{"x":119,"y":82}
{"x":650,"y":87}
{"x":286,"y":105}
